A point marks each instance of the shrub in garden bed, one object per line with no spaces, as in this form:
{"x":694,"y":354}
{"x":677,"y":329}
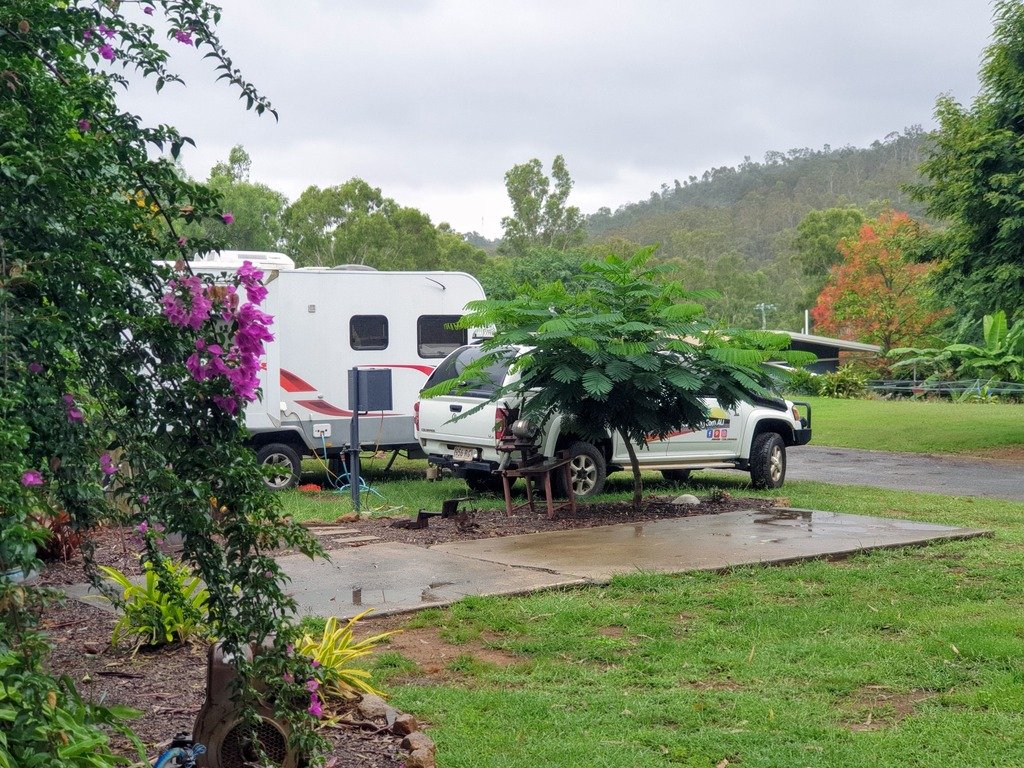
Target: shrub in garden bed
{"x":109,"y":361}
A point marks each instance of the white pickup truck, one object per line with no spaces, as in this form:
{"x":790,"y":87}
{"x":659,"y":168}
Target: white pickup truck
{"x":753,"y":437}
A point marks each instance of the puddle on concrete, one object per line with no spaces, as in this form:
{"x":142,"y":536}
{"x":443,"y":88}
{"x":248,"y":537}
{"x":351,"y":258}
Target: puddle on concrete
{"x":789,"y":518}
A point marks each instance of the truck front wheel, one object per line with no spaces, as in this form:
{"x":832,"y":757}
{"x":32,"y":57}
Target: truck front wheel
{"x":281,"y":465}
{"x":587,"y":471}
{"x":767,"y":461}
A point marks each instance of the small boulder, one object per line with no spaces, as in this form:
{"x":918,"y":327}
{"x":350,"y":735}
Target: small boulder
{"x":686,"y":500}
{"x":373,"y":706}
{"x":420,"y":758}
{"x":350,"y":517}
{"x":418,"y":741}
{"x":404,"y":725}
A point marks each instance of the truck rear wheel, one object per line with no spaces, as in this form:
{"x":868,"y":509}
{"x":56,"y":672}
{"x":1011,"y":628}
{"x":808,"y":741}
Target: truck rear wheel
{"x":484,"y":482}
{"x":282,"y":466}
{"x":767,"y":461}
{"x":587,"y":470}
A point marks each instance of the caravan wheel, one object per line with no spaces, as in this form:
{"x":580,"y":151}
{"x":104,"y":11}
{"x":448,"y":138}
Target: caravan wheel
{"x":281,"y":465}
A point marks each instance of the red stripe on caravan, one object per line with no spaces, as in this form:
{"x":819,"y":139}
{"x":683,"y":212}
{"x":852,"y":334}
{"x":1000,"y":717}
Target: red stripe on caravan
{"x":326,"y":408}
{"x":426,"y":370}
{"x":292,"y":383}
{"x":321,"y":407}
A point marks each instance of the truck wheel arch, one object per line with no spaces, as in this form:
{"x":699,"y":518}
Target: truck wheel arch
{"x":778,"y":426}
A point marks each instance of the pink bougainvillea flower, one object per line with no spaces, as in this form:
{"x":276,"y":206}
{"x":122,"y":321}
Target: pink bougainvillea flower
{"x":287,"y":677}
{"x":289,"y":649}
{"x":143,"y":527}
{"x":226,"y":404}
{"x":315,"y":663}
{"x":107,"y":52}
{"x":183,"y":36}
{"x":312,"y":684}
{"x":107,"y":465}
{"x":35,"y":368}
{"x":69,"y":400}
{"x":31,"y":478}
{"x":148,"y":10}
{"x":84,"y":126}
{"x":314,"y":706}
{"x":75,"y":414}
{"x":182,"y":240}
{"x":87,"y":34}
{"x":106,"y":31}
{"x":144,"y":498}
{"x":228,"y":218}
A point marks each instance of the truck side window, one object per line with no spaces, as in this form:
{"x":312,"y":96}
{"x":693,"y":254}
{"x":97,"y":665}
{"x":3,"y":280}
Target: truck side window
{"x":433,"y":339}
{"x":368,"y":332}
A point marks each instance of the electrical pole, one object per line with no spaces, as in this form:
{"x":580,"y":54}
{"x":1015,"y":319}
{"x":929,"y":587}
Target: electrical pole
{"x":764,"y":309}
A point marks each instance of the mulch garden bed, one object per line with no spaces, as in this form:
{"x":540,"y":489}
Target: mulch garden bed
{"x":168,"y":685}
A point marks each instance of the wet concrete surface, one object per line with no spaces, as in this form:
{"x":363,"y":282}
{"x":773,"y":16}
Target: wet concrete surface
{"x":401,"y":577}
{"x":709,"y":542}
{"x":906,"y":471}
{"x":390,"y":578}
{"x":394,"y":578}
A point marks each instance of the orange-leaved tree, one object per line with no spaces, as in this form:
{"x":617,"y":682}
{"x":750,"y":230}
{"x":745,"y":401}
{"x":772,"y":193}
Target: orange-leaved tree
{"x":877,"y":294}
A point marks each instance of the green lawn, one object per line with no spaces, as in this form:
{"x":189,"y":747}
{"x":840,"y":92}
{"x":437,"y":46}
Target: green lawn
{"x":983,"y":429}
{"x":911,"y":657}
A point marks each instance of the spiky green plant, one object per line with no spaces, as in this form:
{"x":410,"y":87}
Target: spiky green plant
{"x":157,"y":613}
{"x":336,"y":649}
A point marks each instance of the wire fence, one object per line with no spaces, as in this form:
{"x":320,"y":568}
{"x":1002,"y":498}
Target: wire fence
{"x":952,"y":389}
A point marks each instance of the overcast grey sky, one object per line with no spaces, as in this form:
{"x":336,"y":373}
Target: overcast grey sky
{"x":432,"y":101}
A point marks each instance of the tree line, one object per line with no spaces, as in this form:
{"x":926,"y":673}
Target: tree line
{"x":803,"y":229}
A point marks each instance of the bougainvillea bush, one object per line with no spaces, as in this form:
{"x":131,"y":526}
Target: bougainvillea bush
{"x":122,"y":382}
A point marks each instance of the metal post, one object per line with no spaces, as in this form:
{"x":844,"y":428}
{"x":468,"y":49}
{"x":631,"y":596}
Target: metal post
{"x":353,"y":463}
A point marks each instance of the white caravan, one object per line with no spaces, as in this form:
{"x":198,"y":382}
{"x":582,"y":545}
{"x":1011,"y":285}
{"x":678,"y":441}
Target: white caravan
{"x":327,"y":321}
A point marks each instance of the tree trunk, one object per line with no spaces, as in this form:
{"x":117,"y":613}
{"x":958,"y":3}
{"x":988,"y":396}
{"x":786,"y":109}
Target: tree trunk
{"x":638,"y":483}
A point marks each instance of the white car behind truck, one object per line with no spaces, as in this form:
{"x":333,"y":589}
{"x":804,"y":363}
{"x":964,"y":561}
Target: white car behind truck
{"x":752,"y":436}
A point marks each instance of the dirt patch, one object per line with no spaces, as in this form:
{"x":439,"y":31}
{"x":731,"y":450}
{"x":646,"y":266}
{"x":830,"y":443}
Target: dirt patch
{"x":875,"y":707}
{"x":1011,"y":454}
{"x":434,"y":656}
{"x":475,"y":523}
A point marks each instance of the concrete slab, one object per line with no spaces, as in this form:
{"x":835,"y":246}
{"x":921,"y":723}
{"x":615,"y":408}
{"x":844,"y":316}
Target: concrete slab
{"x":390,"y":578}
{"x":393,"y":578}
{"x":708,"y":542}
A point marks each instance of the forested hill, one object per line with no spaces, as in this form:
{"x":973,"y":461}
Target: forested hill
{"x":732,"y":228}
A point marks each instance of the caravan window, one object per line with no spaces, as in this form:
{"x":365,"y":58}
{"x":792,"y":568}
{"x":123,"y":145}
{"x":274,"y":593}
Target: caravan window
{"x":368,"y":332}
{"x":434,"y":340}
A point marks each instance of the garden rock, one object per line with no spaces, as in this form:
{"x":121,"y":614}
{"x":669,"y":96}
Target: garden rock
{"x":420,"y":758}
{"x":373,"y":706}
{"x":418,"y":741}
{"x":404,"y":725}
{"x":687,"y":500}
